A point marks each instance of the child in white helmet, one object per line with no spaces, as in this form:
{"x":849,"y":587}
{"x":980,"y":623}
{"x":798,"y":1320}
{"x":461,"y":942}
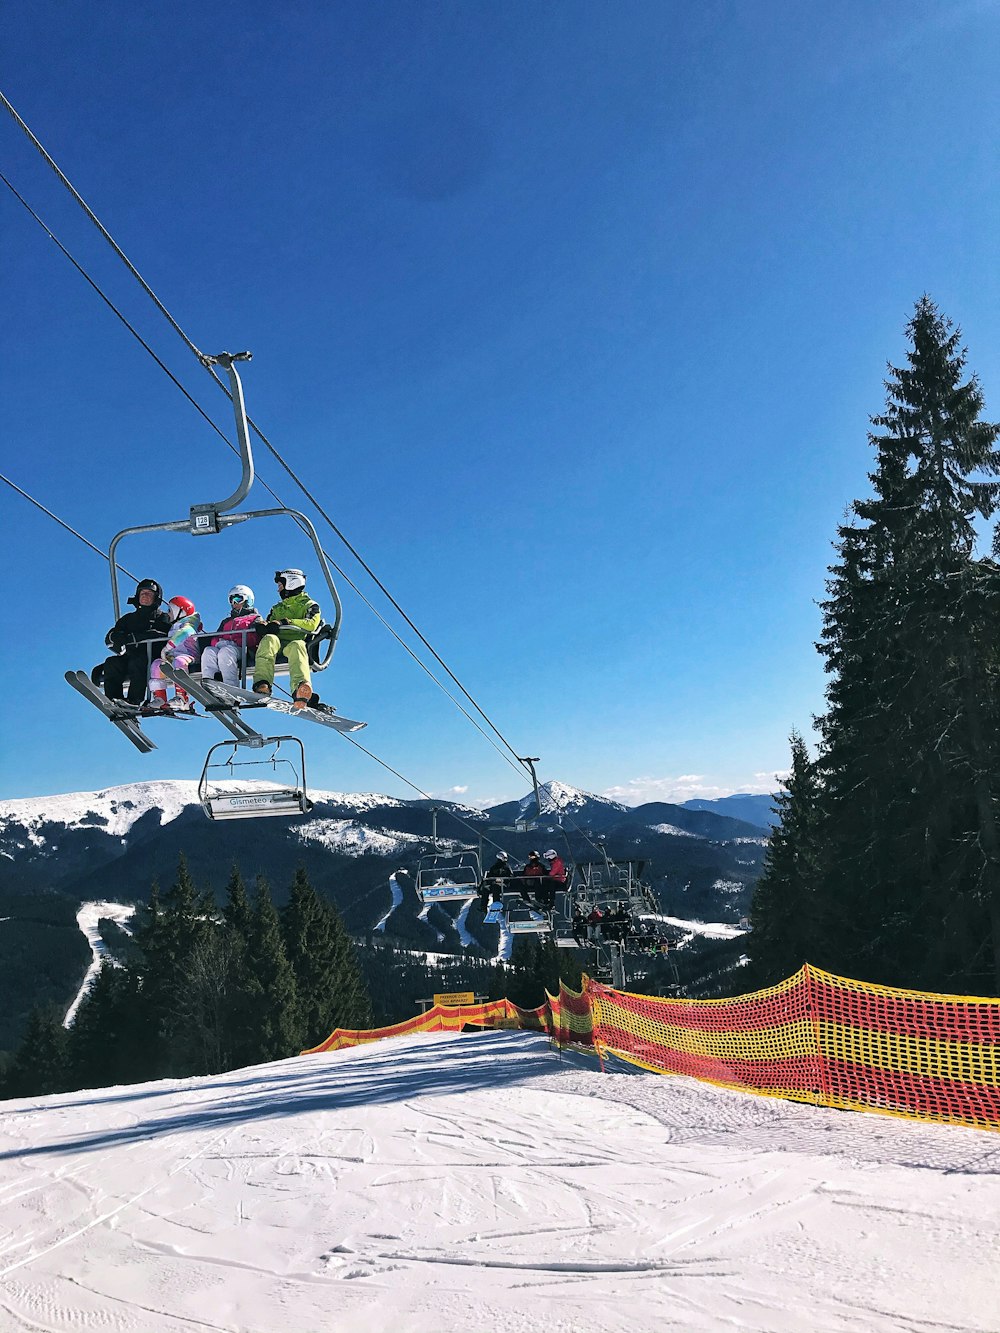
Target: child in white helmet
{"x":223,"y":656}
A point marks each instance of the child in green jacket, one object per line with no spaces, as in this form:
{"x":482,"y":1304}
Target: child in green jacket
{"x":289,"y":622}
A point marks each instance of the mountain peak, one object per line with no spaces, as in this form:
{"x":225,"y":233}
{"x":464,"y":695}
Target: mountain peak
{"x":555,"y":797}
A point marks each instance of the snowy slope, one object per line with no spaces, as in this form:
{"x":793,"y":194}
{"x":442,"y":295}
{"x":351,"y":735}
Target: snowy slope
{"x":116,"y":809}
{"x":456,"y":1184}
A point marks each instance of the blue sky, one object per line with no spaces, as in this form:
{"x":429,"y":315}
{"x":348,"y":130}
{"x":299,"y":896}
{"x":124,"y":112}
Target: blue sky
{"x":572,"y":314}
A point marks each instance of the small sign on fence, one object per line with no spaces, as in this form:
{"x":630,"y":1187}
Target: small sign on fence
{"x":455,"y":998}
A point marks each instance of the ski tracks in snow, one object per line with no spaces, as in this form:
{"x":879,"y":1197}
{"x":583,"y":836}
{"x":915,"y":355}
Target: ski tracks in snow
{"x":449,"y":1184}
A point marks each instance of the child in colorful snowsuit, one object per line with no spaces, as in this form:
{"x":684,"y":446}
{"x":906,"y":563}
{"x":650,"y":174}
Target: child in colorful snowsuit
{"x":289,"y":623}
{"x":223,"y":654}
{"x":180,"y":651}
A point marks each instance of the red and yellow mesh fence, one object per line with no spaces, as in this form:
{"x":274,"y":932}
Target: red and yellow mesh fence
{"x":821,"y":1038}
{"x":814,"y":1038}
{"x":441,"y":1018}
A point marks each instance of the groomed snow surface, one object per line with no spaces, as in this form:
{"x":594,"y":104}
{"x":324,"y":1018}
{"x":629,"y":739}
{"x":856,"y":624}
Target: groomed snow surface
{"x":456,"y":1184}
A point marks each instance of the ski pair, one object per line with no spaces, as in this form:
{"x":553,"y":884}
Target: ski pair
{"x":124,"y":716}
{"x":228,"y":701}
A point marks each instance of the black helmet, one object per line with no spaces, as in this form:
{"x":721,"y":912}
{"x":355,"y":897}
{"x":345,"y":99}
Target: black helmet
{"x":153,"y":587}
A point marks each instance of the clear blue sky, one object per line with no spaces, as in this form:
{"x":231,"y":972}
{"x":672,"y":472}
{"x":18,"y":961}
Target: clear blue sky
{"x":572,"y":313}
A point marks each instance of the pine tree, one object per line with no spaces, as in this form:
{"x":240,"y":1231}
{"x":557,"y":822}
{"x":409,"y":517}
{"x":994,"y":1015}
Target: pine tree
{"x":105,"y":1043}
{"x":272,"y":1001}
{"x":784,"y":913}
{"x":171,"y":936}
{"x":40,"y":1065}
{"x":328,"y":979}
{"x":911,"y":851}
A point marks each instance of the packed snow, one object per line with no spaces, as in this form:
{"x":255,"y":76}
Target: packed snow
{"x":397,"y":898}
{"x":450,"y":1184}
{"x":88,"y":919}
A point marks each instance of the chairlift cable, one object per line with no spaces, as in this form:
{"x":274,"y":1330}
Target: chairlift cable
{"x":204,"y":361}
{"x":38,"y":505}
{"x":198,"y":408}
{"x":477,"y":833}
{"x":101,"y":228}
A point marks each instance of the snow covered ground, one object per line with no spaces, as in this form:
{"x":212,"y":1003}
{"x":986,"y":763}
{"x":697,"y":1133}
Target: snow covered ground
{"x":454,"y":1184}
{"x":712,"y":930}
{"x":88,"y":919}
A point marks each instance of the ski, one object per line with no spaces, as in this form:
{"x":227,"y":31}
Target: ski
{"x":322,"y":714}
{"x":124,"y":716}
{"x":214,"y":703}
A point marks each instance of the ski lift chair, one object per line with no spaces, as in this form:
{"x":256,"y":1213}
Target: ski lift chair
{"x":319,"y":647}
{"x":212,"y":518}
{"x":442,"y":876}
{"x":525,"y":920}
{"x":223,"y":799}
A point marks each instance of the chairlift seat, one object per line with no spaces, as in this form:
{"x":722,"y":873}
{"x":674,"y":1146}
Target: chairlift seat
{"x":525,"y":920}
{"x":222,"y":799}
{"x":448,"y":875}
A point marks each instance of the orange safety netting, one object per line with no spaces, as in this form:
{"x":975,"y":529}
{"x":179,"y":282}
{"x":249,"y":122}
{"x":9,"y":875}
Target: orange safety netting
{"x":821,"y":1038}
{"x":813,"y":1038}
{"x":441,"y":1018}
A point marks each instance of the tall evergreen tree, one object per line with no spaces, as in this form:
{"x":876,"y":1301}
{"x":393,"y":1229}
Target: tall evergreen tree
{"x":910,"y":850}
{"x":170,"y":934}
{"x":272,"y":999}
{"x":328,"y":980}
{"x":787,"y":930}
{"x":105,"y":1040}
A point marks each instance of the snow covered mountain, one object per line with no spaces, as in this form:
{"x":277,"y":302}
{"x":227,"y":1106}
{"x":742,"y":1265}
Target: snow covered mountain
{"x":85,"y":844}
{"x":559,"y":799}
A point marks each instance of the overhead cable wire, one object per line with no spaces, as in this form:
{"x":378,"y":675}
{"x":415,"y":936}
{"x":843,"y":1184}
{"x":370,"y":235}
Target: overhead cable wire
{"x":203,"y":360}
{"x":63,"y":524}
{"x":222,"y":435}
{"x":419,"y":790}
{"x":100,"y":227}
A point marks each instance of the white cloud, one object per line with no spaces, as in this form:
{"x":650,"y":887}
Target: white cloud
{"x":457,"y":791}
{"x":686,"y":787}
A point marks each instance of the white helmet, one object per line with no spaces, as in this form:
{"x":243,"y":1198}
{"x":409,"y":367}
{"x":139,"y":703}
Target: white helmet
{"x":240,"y":592}
{"x":293,"y":579}
{"x":550,"y":854}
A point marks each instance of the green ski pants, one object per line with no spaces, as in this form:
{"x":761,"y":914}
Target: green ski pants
{"x":296,"y":653}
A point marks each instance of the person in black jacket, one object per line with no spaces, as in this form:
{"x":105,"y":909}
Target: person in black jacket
{"x":492,"y":886}
{"x":129,"y":640}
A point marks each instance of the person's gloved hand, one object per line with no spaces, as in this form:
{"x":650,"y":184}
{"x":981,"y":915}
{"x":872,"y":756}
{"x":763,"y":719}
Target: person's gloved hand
{"x":272,"y":627}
